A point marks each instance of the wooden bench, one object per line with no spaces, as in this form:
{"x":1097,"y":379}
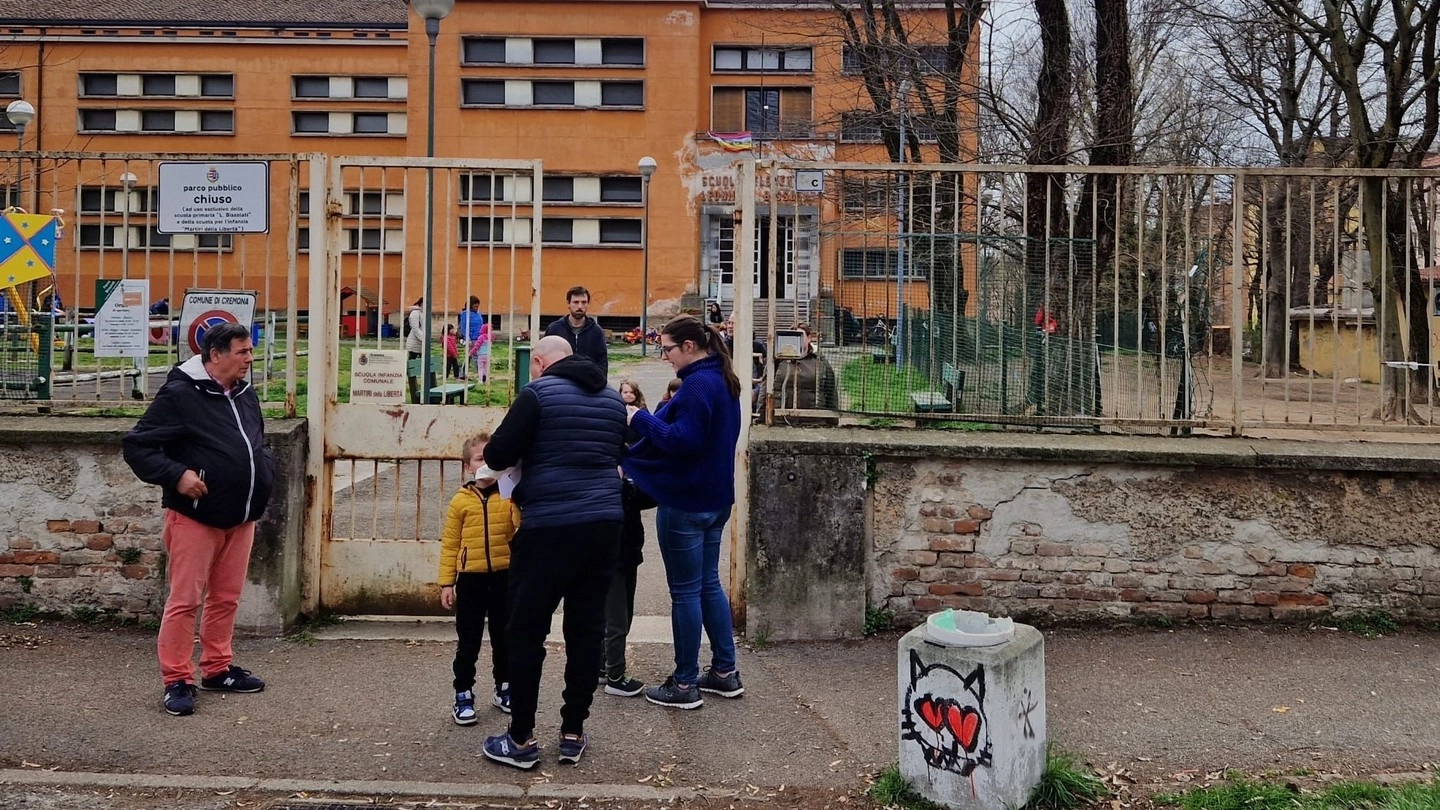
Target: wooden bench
{"x":445,"y":394}
{"x":947,"y":401}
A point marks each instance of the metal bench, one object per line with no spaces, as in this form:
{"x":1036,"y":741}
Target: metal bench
{"x":445,"y":394}
{"x":946,"y":401}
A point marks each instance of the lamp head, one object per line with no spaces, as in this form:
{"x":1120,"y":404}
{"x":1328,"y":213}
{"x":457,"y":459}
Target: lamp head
{"x":20,"y":112}
{"x":433,"y":9}
{"x":128,"y":180}
{"x":647,"y":166}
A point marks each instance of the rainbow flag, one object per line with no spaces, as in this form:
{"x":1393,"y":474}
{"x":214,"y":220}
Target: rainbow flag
{"x":733,"y":141}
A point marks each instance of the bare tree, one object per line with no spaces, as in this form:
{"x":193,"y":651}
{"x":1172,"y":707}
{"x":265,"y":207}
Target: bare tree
{"x":1381,"y":56}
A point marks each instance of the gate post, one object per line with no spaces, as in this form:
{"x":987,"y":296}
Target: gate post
{"x":320,"y":390}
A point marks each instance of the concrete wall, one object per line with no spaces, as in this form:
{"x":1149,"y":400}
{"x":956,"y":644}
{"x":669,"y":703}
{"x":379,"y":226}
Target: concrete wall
{"x":81,"y":531}
{"x":1085,"y":526}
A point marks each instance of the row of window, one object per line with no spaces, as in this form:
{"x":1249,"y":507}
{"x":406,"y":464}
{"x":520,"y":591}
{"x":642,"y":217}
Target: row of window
{"x":219,"y":122}
{"x":630,"y":52}
{"x":873,"y":263}
{"x":472,"y":231}
{"x":557,"y":51}
{"x":157,"y":85}
{"x":567,"y":94}
{"x":97,"y":237}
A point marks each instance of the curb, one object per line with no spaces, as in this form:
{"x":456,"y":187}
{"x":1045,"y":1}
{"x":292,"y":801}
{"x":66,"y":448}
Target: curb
{"x":474,"y":790}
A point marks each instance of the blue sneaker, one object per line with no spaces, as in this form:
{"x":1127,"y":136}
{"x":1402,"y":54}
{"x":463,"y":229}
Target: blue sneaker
{"x":503,"y":749}
{"x":464,"y":712}
{"x":571,"y":747}
{"x":501,"y":700}
{"x":180,"y":699}
{"x":233,"y":679}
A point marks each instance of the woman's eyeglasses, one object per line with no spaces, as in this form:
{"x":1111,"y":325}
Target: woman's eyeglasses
{"x":665,"y":350}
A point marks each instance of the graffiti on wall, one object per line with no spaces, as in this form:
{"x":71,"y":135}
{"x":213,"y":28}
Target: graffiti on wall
{"x":944,"y":714}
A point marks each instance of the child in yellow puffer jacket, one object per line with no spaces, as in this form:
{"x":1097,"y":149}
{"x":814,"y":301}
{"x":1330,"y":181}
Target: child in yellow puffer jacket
{"x":474,"y":577}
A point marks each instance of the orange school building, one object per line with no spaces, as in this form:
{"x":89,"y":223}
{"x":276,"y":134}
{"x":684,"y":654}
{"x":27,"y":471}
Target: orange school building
{"x":586,"y":87}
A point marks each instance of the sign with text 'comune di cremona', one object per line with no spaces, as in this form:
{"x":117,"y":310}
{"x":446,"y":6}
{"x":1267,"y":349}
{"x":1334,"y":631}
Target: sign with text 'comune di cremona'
{"x":204,"y":309}
{"x":214,"y":197}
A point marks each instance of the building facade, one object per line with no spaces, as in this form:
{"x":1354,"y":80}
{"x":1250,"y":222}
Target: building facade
{"x":586,"y":87}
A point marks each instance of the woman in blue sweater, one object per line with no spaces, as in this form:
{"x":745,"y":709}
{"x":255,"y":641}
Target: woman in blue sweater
{"x":685,"y":448}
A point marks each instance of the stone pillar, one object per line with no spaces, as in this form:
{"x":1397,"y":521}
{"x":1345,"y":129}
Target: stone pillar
{"x":972,"y":720}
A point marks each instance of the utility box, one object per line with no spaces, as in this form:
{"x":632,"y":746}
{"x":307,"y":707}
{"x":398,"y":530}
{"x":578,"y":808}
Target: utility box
{"x":972,"y":719}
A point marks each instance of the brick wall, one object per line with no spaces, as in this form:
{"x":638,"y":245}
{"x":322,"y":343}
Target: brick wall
{"x":80,"y":532}
{"x":1032,"y":539}
{"x":1039,"y":526}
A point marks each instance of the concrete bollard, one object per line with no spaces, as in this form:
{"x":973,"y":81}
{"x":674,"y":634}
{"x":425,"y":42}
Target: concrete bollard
{"x":972,"y":719}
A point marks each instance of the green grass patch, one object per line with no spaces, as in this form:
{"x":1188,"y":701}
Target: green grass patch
{"x":962,"y":426}
{"x":877,"y":620}
{"x":20,"y":614}
{"x":1245,"y":794}
{"x":1066,"y":784}
{"x":872,"y":387}
{"x":891,"y":790}
{"x":1372,"y":624}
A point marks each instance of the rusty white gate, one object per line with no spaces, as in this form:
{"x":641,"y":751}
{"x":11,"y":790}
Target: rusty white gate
{"x":381,"y":475}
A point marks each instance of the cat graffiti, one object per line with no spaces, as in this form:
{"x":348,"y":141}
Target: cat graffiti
{"x":944,"y":713}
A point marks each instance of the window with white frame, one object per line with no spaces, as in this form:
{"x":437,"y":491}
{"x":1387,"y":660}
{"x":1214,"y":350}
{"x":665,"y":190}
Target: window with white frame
{"x":487,"y":187}
{"x":378,"y":88}
{"x":745,"y":59}
{"x":554,"y":51}
{"x":865,"y":126}
{"x":157,"y":85}
{"x":495,"y":230}
{"x":362,"y":122}
{"x":873,"y":263}
{"x":591,"y":231}
{"x":602,"y":94}
{"x":114,"y":199}
{"x":9,"y":84}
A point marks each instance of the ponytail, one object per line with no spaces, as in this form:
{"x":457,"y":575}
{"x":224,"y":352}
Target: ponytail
{"x":708,"y":337}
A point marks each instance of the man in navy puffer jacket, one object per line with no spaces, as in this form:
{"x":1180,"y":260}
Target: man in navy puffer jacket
{"x":566,"y":430}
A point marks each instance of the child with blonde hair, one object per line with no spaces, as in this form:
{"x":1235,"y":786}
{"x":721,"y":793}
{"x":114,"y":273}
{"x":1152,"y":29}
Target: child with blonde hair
{"x":474,"y":578}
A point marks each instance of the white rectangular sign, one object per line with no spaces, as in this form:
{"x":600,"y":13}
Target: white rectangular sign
{"x":214,"y":197}
{"x":122,"y":317}
{"x":203,"y":309}
{"x":377,"y":376}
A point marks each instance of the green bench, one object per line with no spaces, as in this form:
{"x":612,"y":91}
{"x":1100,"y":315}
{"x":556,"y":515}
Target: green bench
{"x":438,"y":394}
{"x":947,"y":401}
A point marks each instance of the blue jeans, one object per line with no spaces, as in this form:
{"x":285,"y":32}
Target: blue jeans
{"x":690,"y":546}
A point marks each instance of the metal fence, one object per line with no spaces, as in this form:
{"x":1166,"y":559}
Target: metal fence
{"x":1170,"y":299}
{"x":107,"y":207}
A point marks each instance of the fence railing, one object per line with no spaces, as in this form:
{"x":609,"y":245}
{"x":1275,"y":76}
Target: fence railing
{"x":1149,"y":298}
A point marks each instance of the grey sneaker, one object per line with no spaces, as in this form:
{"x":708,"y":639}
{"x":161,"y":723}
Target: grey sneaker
{"x":675,"y":696}
{"x":623,"y":686}
{"x":727,"y":687}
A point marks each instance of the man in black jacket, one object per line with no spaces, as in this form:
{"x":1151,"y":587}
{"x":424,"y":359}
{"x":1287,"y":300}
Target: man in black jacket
{"x":581,"y":331}
{"x":566,"y":430}
{"x":202,"y":441}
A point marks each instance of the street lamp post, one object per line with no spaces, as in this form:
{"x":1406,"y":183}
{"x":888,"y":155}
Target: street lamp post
{"x":432,"y":12}
{"x":899,"y":338}
{"x":21,"y":113}
{"x":647,"y":168}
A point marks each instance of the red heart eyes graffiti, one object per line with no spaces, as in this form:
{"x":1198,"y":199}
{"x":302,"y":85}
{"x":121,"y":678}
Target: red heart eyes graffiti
{"x":963,"y":721}
{"x":931,"y":713}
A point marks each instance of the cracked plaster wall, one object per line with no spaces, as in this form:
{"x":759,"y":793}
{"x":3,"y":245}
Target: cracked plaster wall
{"x":1053,"y":539}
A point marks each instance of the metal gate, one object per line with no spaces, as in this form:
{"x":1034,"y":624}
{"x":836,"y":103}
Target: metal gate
{"x":401,"y":233}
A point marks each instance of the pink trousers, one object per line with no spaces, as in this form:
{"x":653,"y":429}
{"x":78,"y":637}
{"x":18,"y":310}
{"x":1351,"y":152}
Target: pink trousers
{"x":205,"y":566}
